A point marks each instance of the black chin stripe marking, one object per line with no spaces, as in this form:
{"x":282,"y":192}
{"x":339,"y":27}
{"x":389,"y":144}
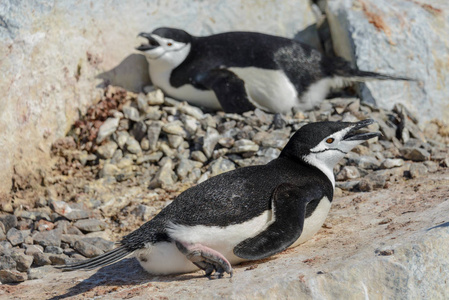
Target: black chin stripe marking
{"x":336,"y":149}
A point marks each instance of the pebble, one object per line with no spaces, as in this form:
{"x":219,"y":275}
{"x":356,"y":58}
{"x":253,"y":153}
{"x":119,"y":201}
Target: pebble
{"x":418,"y":170}
{"x":155,"y":97}
{"x":53,"y":249}
{"x":390,"y":163}
{"x":165,"y":176}
{"x":41,"y":259}
{"x":348,"y":172}
{"x":17,"y":237}
{"x":38,"y":273}
{"x":133,"y":146}
{"x":87,"y":249}
{"x":12,"y":276}
{"x":107,"y":150}
{"x":198,"y":156}
{"x":139,"y":130}
{"x":106,"y":129}
{"x":100,"y":243}
{"x":48,"y":238}
{"x":8,"y":221}
{"x":221,"y":165}
{"x":90,"y":225}
{"x":415,"y":154}
{"x":131,"y":113}
{"x":7,"y":262}
{"x":175,"y":128}
{"x":153,"y":132}
{"x":210,"y":141}
{"x":244,"y":145}
{"x":23,"y":261}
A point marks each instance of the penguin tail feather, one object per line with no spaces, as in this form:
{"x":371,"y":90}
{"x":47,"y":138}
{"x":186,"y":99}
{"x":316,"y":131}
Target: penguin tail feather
{"x":99,"y":261}
{"x":359,"y":75}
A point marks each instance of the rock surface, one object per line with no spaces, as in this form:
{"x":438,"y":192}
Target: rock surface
{"x":399,"y":38}
{"x":391,"y":243}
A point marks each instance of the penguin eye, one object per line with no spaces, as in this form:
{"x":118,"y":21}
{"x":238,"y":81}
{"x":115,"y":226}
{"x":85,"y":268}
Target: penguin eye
{"x":330,"y":140}
{"x":169,"y":44}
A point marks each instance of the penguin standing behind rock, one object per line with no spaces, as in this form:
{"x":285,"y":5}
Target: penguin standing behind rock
{"x":246,"y":214}
{"x":241,"y":71}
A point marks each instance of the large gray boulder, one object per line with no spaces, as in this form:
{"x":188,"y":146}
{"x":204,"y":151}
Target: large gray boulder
{"x":401,"y":37}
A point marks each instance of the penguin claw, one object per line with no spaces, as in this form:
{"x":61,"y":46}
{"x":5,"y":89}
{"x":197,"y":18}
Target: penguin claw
{"x":207,"y":259}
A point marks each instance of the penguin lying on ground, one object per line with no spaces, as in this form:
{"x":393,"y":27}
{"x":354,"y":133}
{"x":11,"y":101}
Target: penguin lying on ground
{"x":241,"y":71}
{"x":246,"y":214}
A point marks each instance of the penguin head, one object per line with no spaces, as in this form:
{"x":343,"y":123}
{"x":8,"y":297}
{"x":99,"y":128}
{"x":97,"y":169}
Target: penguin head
{"x":168,"y":45}
{"x":323,"y":144}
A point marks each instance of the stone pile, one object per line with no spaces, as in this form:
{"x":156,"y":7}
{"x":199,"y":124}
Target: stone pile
{"x":138,"y":151}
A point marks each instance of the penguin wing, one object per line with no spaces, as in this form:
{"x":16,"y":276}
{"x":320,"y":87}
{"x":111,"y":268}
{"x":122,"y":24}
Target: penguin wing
{"x":289,"y":208}
{"x":228,"y":88}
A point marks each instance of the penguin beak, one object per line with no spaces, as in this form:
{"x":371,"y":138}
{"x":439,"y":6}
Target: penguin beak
{"x":353,"y":135}
{"x":152,"y":43}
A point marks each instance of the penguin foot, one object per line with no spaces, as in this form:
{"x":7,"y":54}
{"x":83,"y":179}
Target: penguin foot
{"x":206,"y":259}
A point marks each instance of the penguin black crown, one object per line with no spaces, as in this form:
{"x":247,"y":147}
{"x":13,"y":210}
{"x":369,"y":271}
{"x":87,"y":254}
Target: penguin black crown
{"x":241,"y":71}
{"x":246,"y":214}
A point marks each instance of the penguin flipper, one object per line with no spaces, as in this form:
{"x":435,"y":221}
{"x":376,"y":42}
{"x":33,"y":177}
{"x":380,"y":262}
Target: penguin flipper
{"x":289,"y":207}
{"x":228,"y":88}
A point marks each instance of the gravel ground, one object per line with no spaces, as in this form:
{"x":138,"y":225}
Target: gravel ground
{"x":130,"y":154}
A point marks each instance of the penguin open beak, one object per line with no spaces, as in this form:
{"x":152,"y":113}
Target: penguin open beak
{"x":152,"y":43}
{"x":354,"y":135}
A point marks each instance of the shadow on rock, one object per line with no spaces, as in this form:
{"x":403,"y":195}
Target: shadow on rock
{"x":131,"y":74}
{"x":125,"y":272}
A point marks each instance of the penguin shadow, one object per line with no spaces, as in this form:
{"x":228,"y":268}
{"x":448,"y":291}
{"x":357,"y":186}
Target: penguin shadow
{"x":127,"y":272}
{"x":445,"y":224}
{"x":131,"y":74}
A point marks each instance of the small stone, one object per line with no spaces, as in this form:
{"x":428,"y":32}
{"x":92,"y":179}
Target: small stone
{"x":390,"y":163}
{"x":153,"y":132}
{"x":153,"y":157}
{"x":15,"y":237}
{"x":131,"y":113}
{"x":86,"y":249}
{"x":109,"y":170}
{"x":107,"y":150}
{"x":155,"y":97}
{"x":53,"y":250}
{"x":145,"y":144}
{"x":31,"y":249}
{"x":48,"y":238}
{"x":191,"y":110}
{"x":142,"y":102}
{"x":90,"y":225}
{"x":431,"y":166}
{"x":244,"y":145}
{"x":133,"y":146}
{"x":12,"y":276}
{"x":221,"y":165}
{"x":226,"y":142}
{"x":23,"y":261}
{"x":7,"y":262}
{"x":175,"y":128}
{"x":2,"y":232}
{"x":184,"y":167}
{"x":106,"y":129}
{"x":139,"y":130}
{"x":279,"y":121}
{"x":418,"y":170}
{"x":165,"y":176}
{"x":210,"y":141}
{"x":144,"y":212}
{"x":9,"y":221}
{"x":415,"y":154}
{"x":38,"y":273}
{"x":44,"y":225}
{"x":58,"y":259}
{"x":348,"y":172}
{"x":347,"y":185}
{"x":41,"y":259}
{"x":175,"y":140}
{"x":198,"y":156}
{"x":100,"y":243}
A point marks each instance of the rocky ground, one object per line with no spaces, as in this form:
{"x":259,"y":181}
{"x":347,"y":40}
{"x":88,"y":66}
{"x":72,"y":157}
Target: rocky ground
{"x":131,"y":154}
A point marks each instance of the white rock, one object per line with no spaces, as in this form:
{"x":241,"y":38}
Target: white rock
{"x":107,"y":128}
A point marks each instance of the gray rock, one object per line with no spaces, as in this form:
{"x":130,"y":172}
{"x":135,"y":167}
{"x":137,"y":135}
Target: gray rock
{"x":9,"y":221}
{"x":415,"y":154}
{"x":7,"y":262}
{"x":175,"y":140}
{"x":145,"y":144}
{"x":153,"y":158}
{"x":165,"y":176}
{"x":364,"y":162}
{"x":90,"y":225}
{"x":198,"y":156}
{"x":175,"y":128}
{"x":210,"y":141}
{"x":58,"y":259}
{"x":120,"y":137}
{"x":38,"y":273}
{"x":244,"y":145}
{"x":2,"y":232}
{"x":100,"y":243}
{"x":70,"y":213}
{"x":375,"y":180}
{"x":153,"y":113}
{"x":41,"y":259}
{"x":133,"y":146}
{"x":348,"y":172}
{"x":418,"y":170}
{"x":139,"y":130}
{"x":71,"y":238}
{"x":23,"y":261}
{"x":191,"y":110}
{"x":31,"y":249}
{"x":53,"y":249}
{"x":279,"y":122}
{"x":153,"y":132}
{"x":142,"y":102}
{"x":191,"y":124}
{"x":155,"y":97}
{"x":107,"y":150}
{"x":392,"y":163}
{"x":48,"y":238}
{"x":87,"y":249}
{"x":131,"y":113}
{"x":347,"y":185}
{"x":226,"y":142}
{"x":431,"y":166}
{"x":184,"y":167}
{"x":221,"y":165}
{"x":107,"y":128}
{"x":12,"y":276}
{"x":109,"y":170}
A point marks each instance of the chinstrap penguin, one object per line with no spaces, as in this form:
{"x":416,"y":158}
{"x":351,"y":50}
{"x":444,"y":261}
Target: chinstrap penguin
{"x":246,"y":214}
{"x":241,"y":71}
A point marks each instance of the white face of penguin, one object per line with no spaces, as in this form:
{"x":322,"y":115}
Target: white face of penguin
{"x":167,"y":51}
